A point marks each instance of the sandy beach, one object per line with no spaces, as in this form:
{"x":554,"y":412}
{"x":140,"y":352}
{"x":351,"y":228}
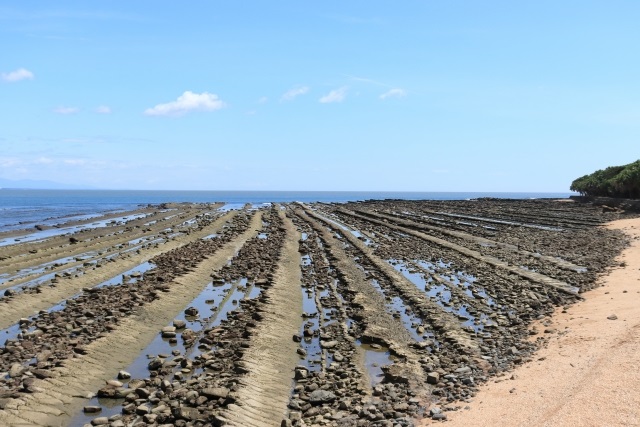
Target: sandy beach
{"x":589,"y":372}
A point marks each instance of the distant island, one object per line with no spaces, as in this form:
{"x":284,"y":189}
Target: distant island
{"x":614,"y":181}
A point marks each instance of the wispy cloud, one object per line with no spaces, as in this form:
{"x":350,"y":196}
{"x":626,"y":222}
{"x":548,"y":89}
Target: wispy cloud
{"x":17,"y":75}
{"x":43,"y":160}
{"x":89,"y":139}
{"x":7,"y":162}
{"x":366,"y":80}
{"x":65,"y":110}
{"x":187,"y":102}
{"x":293,"y":93}
{"x":82,"y":140}
{"x":263,"y":100}
{"x":336,"y":95}
{"x":394,"y":93}
{"x":103,"y":109}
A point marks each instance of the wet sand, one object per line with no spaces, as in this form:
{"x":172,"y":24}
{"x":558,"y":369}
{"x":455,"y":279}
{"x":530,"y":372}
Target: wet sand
{"x":589,"y":372}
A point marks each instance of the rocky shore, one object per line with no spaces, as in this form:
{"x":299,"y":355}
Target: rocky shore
{"x":384,"y":313}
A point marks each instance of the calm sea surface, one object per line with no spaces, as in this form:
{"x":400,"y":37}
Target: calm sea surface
{"x":44,"y":206}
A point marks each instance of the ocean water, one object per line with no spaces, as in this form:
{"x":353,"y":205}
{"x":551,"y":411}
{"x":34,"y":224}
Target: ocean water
{"x":23,"y":208}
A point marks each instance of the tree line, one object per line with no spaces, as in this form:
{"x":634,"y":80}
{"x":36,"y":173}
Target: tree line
{"x":614,"y":181}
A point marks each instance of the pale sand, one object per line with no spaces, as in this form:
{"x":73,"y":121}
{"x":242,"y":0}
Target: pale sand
{"x":590,"y":374}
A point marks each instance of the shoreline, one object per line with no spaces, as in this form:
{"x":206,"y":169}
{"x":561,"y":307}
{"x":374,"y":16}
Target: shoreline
{"x":586,"y":374}
{"x":448,"y":288}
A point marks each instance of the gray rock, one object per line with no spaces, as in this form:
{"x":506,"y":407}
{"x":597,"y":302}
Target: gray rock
{"x":123,"y":392}
{"x":142,"y":410}
{"x":433,"y":378}
{"x":319,"y":397}
{"x":155,"y":364}
{"x":114,"y":383}
{"x":215,"y":393}
{"x":328,"y":344}
{"x":124,"y":375}
{"x":16,"y":370}
{"x":143,"y":393}
{"x":463,"y":370}
{"x":301,"y":373}
{"x":612,"y":317}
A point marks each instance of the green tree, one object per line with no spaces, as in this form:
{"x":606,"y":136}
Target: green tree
{"x":614,"y":181}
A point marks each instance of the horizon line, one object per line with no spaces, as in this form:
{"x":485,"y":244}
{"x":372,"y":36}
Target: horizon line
{"x":293,"y":191}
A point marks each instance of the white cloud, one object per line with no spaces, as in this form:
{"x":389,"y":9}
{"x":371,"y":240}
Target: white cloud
{"x":263,"y":100}
{"x":103,"y":109}
{"x":93,"y":140}
{"x":43,"y":161}
{"x":366,"y":80}
{"x":394,"y":93}
{"x":187,"y":102}
{"x":336,"y":95}
{"x":65,"y":110}
{"x":17,"y":75}
{"x":8,"y":162}
{"x":293,"y":93}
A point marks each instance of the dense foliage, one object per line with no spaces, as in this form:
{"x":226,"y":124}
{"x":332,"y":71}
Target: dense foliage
{"x":614,"y":181}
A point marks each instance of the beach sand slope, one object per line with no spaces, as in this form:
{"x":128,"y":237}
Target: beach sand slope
{"x":589,"y":373}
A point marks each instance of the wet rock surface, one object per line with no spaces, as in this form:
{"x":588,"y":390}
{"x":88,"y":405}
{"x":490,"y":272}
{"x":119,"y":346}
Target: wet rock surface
{"x":49,"y":338}
{"x":194,"y":386}
{"x":399,"y":321}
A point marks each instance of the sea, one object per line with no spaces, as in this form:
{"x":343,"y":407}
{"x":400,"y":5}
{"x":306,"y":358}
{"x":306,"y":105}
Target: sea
{"x":22,"y":208}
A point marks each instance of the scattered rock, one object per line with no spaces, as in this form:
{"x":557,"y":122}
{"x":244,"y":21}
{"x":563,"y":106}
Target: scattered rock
{"x":319,"y":397}
{"x":215,"y":393}
{"x":124,"y":375}
{"x":191,"y":312}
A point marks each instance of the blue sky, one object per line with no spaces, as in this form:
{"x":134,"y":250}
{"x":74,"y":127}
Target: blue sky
{"x":358,"y":95}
